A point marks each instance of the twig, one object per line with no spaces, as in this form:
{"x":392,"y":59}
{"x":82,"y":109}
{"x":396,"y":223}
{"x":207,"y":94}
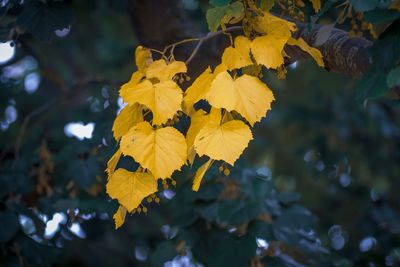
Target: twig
{"x":209,"y":36}
{"x":172,"y":46}
{"x":27,"y":119}
{"x":195,"y":50}
{"x":158,"y":51}
{"x":200,"y":41}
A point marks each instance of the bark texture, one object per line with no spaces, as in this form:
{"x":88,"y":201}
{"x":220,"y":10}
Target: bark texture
{"x":342,"y":53}
{"x":158,"y":23}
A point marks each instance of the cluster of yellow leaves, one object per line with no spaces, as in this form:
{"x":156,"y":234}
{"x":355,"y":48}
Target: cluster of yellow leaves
{"x":158,"y":148}
{"x":226,"y":138}
{"x":237,"y":97}
{"x":268,"y":48}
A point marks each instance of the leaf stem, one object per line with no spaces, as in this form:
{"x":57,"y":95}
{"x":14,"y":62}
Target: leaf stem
{"x":172,"y":46}
{"x":200,"y":41}
{"x":209,"y":36}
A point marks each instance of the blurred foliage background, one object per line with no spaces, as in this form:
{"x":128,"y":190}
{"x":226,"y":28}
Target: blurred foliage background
{"x":318,"y":185}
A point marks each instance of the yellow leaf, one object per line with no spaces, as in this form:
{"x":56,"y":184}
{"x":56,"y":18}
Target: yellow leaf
{"x":197,"y":90}
{"x":269,"y":23}
{"x":112,"y":163}
{"x":163,"y":71}
{"x":164,"y":99}
{"x":267,"y":50}
{"x":197,"y":121}
{"x":135,"y":79}
{"x":225,"y":141}
{"x":143,"y":58}
{"x":128,"y":117}
{"x":238,"y":56}
{"x":130,"y":188}
{"x":316,"y":5}
{"x":247,"y":95}
{"x":220,"y":68}
{"x":162,"y":151}
{"x":201,"y":171}
{"x":312,"y":51}
{"x":119,"y":217}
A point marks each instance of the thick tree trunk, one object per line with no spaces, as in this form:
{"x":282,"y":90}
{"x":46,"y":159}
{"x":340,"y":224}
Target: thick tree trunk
{"x":160,"y":22}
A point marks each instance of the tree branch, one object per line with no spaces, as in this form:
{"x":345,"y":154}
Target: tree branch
{"x":207,"y":37}
{"x":161,"y":22}
{"x":342,"y":53}
{"x":158,"y":22}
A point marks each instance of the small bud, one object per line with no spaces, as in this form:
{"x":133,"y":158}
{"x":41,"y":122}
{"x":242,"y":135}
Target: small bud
{"x":226,"y":172}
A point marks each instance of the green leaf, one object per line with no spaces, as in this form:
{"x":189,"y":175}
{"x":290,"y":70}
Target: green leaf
{"x":261,"y":229}
{"x":374,"y":82}
{"x":64,"y":204}
{"x":37,"y":254}
{"x":209,"y":192}
{"x":379,"y":16}
{"x":325,"y":8}
{"x":364,"y":5}
{"x":181,"y":208}
{"x":236,"y":212}
{"x":288,"y":198}
{"x":393,"y":78}
{"x":292,"y":220}
{"x":42,"y":20}
{"x":219,"y":2}
{"x":14,"y":180}
{"x":232,"y":212}
{"x":164,"y":252}
{"x":219,"y":248}
{"x":214,"y":17}
{"x":83,"y":171}
{"x":373,"y":85}
{"x":219,"y":16}
{"x":8,"y":225}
